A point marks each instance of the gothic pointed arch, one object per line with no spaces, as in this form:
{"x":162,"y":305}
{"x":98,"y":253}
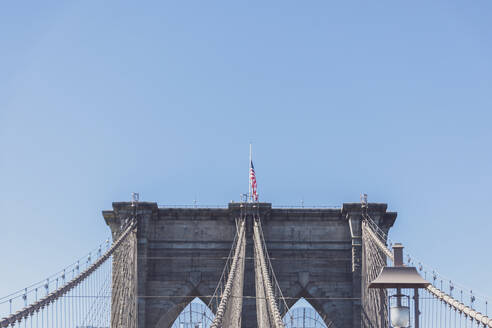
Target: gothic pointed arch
{"x":306,"y":314}
{"x":195,"y":314}
{"x":180,"y":296}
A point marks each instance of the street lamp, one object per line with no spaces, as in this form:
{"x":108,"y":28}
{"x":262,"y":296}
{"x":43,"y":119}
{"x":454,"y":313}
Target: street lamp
{"x":400,"y":277}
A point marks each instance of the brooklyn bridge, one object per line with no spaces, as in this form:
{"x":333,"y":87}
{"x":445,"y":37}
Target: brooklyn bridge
{"x":246,"y":265}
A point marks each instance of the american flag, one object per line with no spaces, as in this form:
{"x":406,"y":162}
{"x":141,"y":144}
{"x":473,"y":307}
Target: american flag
{"x":252,"y":181}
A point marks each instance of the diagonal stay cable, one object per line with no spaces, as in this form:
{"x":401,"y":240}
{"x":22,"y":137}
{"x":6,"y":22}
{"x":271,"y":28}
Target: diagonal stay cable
{"x":29,"y":310}
{"x":273,"y":308}
{"x":228,"y":259}
{"x":219,"y":316}
{"x":273,"y":272}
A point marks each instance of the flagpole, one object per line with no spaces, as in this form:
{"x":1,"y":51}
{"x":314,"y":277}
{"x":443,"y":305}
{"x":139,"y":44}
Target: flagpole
{"x":249,"y":174}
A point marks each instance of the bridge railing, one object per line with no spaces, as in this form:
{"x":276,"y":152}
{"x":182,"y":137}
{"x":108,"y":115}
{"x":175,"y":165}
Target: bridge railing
{"x":191,"y":206}
{"x":279,"y":206}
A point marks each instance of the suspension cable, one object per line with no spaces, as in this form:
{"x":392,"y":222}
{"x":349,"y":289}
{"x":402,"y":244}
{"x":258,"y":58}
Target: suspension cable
{"x":434,"y":291}
{"x":272,"y":306}
{"x":50,"y":298}
{"x":224,"y":271}
{"x":221,"y":310}
{"x":271,"y":267}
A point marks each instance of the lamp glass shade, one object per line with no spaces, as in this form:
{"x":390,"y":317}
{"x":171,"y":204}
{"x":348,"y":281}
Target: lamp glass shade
{"x":400,"y":316}
{"x":399,"y":310}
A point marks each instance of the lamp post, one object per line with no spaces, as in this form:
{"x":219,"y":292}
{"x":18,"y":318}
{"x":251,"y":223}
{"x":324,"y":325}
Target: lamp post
{"x":400,"y":277}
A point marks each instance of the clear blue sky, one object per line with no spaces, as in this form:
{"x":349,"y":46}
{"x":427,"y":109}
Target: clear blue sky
{"x":99,"y":99}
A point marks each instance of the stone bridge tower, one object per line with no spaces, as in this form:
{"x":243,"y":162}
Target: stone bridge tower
{"x":180,"y":254}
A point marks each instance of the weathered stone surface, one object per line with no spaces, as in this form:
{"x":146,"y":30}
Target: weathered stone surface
{"x":315,"y":254}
